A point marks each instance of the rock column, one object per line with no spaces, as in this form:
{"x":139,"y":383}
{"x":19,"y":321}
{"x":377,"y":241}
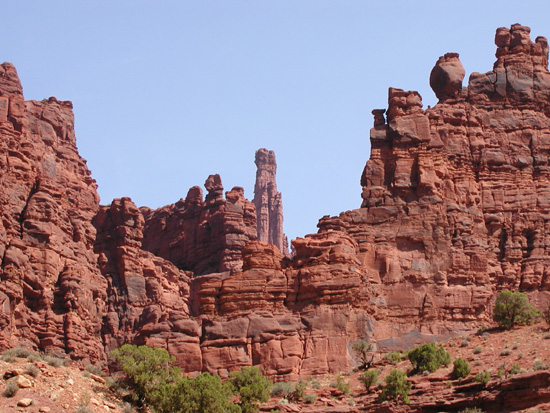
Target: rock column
{"x":268,"y":202}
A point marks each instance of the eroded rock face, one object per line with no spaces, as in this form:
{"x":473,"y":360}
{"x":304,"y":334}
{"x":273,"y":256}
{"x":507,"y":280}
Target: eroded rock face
{"x":268,"y":202}
{"x":202,"y":236}
{"x":520,"y":74}
{"x":147,"y":296}
{"x":52,"y":293}
{"x":455,"y":198}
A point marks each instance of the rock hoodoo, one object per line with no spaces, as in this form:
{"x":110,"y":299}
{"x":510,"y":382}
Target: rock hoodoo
{"x":446,"y":77}
{"x":455,"y":207}
{"x":268,"y":202}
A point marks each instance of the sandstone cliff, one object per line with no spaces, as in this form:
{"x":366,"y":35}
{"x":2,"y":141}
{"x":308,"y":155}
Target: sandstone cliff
{"x":456,"y":206}
{"x":51,"y":289}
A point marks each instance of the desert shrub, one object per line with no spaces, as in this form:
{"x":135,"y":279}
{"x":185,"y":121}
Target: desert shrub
{"x":472,"y":410}
{"x":485,"y":335}
{"x":461,"y":368}
{"x":315,"y":383}
{"x":397,"y":387}
{"x":369,"y":378}
{"x":513,"y":309}
{"x":55,"y":361}
{"x":32,"y":370}
{"x":252,"y":387}
{"x":299,"y":391}
{"x":515,"y":369}
{"x":464,"y":343}
{"x":310,"y":398}
{"x":19,"y":352}
{"x":84,"y":409}
{"x":482,"y":377}
{"x":505,"y":352}
{"x":91,"y":368}
{"x":538,"y":364}
{"x":10,"y":389}
{"x":34,"y":356}
{"x":394,"y":357}
{"x":341,"y":385}
{"x":282,"y":389}
{"x":8,"y":358}
{"x":283,"y":402}
{"x":363,"y":350}
{"x":477,"y":350}
{"x":428,"y":357}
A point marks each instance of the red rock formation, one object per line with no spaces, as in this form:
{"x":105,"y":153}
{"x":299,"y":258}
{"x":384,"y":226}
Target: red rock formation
{"x":446,"y":77}
{"x":202,"y":236}
{"x":455,"y":198}
{"x":51,"y":290}
{"x":147,"y":296}
{"x":456,"y":206}
{"x":268,"y":202}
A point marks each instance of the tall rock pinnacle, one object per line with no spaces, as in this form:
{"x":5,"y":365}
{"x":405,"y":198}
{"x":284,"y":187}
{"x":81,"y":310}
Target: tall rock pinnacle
{"x":268,"y":202}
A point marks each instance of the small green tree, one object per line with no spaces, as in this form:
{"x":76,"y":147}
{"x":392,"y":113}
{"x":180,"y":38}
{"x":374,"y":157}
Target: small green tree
{"x":205,"y":393}
{"x":369,"y":378}
{"x":513,"y":309}
{"x":428,"y":357}
{"x":461,"y":368}
{"x":397,"y":387}
{"x":251,"y":387}
{"x":364,"y":352}
{"x":163,"y":389}
{"x":147,"y":370}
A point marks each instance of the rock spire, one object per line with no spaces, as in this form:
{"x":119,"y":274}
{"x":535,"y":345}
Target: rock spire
{"x":268,"y":202}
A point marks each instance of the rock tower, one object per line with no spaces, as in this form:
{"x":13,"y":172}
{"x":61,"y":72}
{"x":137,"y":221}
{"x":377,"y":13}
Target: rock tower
{"x":268,"y":202}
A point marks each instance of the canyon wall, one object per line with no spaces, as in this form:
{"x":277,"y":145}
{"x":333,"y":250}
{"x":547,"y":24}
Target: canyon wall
{"x":455,"y":207}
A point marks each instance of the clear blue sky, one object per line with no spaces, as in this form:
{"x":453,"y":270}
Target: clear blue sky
{"x":167,"y":92}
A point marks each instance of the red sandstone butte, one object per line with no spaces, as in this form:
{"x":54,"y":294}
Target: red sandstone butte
{"x":455,"y":207}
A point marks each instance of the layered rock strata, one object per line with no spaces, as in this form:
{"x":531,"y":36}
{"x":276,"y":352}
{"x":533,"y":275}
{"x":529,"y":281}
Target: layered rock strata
{"x":52,"y":293}
{"x":202,"y":235}
{"x":456,"y":206}
{"x":268,"y":201}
